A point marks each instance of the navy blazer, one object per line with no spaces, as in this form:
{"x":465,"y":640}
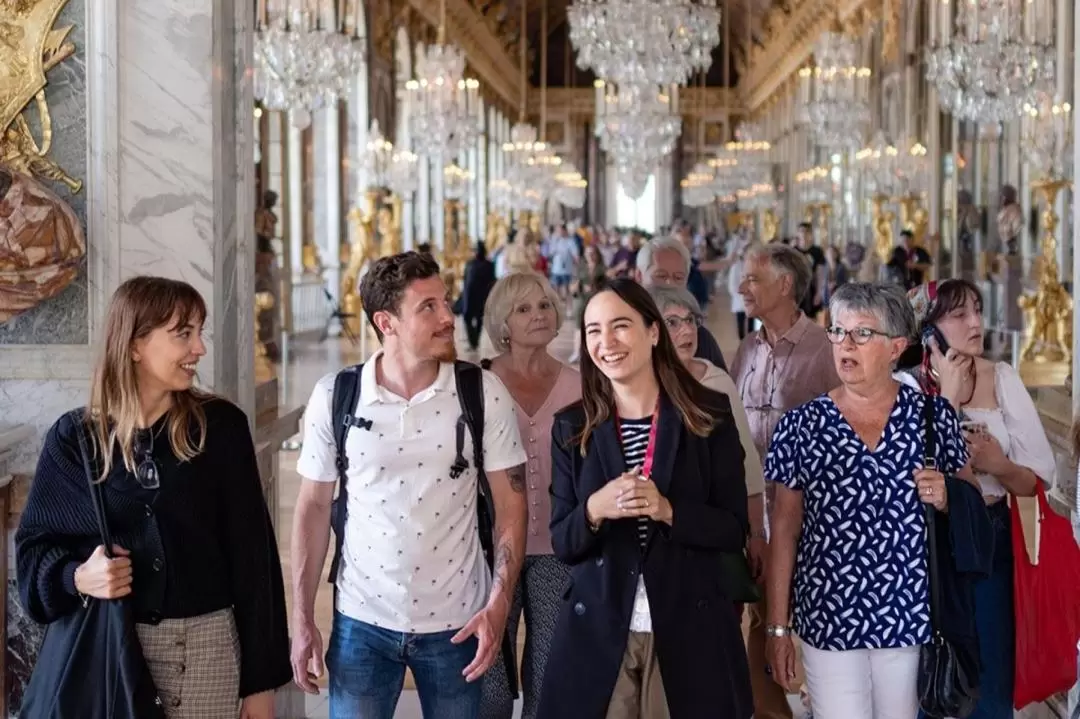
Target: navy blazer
{"x":697,"y":632}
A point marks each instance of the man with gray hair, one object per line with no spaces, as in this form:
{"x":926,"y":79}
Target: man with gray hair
{"x":782,"y":365}
{"x":665,"y":262}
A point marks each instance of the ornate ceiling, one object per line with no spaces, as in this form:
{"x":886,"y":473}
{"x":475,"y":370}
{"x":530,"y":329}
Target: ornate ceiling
{"x":745,"y":18}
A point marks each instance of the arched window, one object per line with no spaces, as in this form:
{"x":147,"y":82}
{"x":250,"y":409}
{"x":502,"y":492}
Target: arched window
{"x":639,"y":213}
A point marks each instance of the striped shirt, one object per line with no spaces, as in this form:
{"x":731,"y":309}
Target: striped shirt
{"x":635,"y":440}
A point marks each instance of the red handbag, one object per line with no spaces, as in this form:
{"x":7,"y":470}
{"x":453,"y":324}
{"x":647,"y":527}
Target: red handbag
{"x":1046,"y":596}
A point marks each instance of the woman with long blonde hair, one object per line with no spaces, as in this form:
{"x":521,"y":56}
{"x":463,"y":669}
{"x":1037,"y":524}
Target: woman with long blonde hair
{"x":194,"y":549}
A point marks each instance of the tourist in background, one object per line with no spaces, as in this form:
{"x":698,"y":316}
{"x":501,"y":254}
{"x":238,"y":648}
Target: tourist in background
{"x":195,"y":552}
{"x":645,"y":501}
{"x":1009,"y":450}
{"x":682,"y":315}
{"x":778,"y":367}
{"x":665,"y":262}
{"x":734,"y":279}
{"x":848,"y":569}
{"x":477,"y":283}
{"x":812,"y":303}
{"x":524,"y":314}
{"x":591,"y":275}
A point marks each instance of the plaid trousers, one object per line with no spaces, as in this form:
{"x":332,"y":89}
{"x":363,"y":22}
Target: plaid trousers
{"x":195,"y":664}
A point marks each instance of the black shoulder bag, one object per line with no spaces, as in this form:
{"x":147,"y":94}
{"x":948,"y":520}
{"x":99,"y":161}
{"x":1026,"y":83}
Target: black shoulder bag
{"x":91,"y":665}
{"x":946,"y":685}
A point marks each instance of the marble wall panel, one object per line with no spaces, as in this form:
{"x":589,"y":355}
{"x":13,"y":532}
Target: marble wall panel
{"x":62,"y":319}
{"x":38,"y":404}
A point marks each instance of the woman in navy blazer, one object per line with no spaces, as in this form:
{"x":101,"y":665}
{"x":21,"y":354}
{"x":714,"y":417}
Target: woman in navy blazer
{"x":645,"y":630}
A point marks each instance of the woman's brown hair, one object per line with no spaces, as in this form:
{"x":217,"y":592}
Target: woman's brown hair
{"x":138,"y":307}
{"x":676,"y":381}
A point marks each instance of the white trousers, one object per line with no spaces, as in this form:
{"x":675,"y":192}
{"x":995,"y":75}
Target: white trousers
{"x":862,"y":683}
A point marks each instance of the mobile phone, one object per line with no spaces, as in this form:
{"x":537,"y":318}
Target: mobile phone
{"x":931,"y":332}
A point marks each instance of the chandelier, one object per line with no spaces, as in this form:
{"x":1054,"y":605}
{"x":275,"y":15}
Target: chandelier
{"x":299,"y":65}
{"x":382,"y":166}
{"x":878,"y":164}
{"x":999,"y":58}
{"x":525,"y":169}
{"x":638,"y":126}
{"x":644,"y":42}
{"x":832,"y":95}
{"x":1048,"y":137}
{"x":455,"y":182}
{"x":571,"y":187}
{"x":749,"y":151}
{"x":697,"y":186}
{"x":444,"y":115}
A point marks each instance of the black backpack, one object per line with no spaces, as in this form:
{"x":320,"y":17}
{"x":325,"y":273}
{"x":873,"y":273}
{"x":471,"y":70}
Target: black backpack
{"x":469,"y":380}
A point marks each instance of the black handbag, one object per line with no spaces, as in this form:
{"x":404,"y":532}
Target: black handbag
{"x":948,"y":685}
{"x":91,"y":665}
{"x":736,"y":581}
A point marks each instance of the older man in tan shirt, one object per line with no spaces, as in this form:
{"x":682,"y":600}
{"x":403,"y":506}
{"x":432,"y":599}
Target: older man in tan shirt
{"x":778,"y":367}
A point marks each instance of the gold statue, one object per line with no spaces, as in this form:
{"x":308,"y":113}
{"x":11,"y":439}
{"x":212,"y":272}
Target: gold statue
{"x":1048,"y":312}
{"x":770,"y":226}
{"x":389,"y":233}
{"x":361,"y":252}
{"x":309,"y":258}
{"x":914,"y":218}
{"x":29,"y":48}
{"x":883,"y":227}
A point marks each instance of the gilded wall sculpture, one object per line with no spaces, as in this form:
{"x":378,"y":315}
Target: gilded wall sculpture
{"x":42,"y":157}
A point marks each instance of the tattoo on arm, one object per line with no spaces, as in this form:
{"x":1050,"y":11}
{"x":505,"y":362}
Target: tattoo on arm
{"x":504,"y":558}
{"x":517,"y":478}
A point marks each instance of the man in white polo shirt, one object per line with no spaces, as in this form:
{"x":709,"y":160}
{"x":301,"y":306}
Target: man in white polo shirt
{"x":413,"y":589}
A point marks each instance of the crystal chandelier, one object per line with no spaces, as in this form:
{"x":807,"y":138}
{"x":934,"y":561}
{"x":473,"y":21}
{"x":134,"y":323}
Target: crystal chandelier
{"x":524,"y":169}
{"x":999,"y":58}
{"x":443,"y":115}
{"x":571,"y":187}
{"x":878,"y":164}
{"x":455,"y":182}
{"x":299,"y":64}
{"x":638,"y":127}
{"x":1047,"y":138}
{"x":750,"y":151}
{"x":644,"y":42}
{"x":697,"y":186}
{"x":403,"y":178}
{"x":832,"y":95}
{"x":376,"y":158}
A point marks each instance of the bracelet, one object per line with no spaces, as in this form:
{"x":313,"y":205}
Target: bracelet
{"x":777,"y":630}
{"x":594,"y":526}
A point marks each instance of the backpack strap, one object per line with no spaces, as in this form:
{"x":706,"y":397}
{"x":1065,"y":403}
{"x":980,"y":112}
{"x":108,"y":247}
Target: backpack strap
{"x":469,"y":380}
{"x":342,"y":405}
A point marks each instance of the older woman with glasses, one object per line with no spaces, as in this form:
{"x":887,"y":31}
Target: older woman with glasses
{"x":849,"y":525}
{"x":683,"y":315}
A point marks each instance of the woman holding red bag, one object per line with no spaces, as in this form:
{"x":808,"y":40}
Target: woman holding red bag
{"x":1009,"y":453}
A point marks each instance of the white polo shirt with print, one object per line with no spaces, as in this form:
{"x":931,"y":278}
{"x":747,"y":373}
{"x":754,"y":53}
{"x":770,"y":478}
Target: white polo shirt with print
{"x":412,"y":560}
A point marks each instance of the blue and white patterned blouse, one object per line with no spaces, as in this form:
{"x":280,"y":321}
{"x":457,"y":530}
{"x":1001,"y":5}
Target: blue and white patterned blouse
{"x":860,"y":573}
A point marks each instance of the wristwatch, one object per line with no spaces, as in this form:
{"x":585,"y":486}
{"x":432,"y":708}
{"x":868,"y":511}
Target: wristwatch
{"x":777,"y":630}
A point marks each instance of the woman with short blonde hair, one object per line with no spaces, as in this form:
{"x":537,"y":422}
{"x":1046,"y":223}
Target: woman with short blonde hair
{"x":522,"y":316}
{"x":194,"y":549}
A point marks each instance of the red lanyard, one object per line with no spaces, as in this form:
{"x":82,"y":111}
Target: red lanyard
{"x":650,"y":448}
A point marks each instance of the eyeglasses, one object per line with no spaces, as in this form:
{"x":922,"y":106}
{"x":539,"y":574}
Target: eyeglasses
{"x":146,"y":471}
{"x":675,"y":323}
{"x":859,"y":335}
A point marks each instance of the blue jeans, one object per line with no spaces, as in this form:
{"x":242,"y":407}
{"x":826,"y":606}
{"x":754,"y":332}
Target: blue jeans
{"x":367,"y":664}
{"x":996,"y":624}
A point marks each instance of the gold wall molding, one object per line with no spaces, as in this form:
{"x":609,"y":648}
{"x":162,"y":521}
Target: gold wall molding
{"x":790,"y":42}
{"x":467,"y":28}
{"x":579,"y":101}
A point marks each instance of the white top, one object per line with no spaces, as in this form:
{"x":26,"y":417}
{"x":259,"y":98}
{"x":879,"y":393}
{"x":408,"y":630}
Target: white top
{"x":412,"y":560}
{"x":1016,"y":426}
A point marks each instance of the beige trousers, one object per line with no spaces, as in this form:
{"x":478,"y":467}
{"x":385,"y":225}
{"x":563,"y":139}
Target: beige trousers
{"x":638,"y":693}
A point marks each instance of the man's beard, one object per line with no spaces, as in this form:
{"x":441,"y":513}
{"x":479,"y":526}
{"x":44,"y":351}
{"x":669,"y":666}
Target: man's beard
{"x":449,"y":354}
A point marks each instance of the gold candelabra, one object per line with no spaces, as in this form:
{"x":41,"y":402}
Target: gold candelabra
{"x":309,"y":257}
{"x":263,"y":368}
{"x":1048,"y":311}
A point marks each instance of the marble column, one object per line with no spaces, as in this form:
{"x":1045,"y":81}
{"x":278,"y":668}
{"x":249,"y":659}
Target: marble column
{"x":294,"y":189}
{"x":327,"y":166}
{"x":1076,"y":217}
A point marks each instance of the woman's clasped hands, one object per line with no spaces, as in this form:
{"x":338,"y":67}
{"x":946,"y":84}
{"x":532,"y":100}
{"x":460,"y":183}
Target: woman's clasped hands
{"x":629,"y":495}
